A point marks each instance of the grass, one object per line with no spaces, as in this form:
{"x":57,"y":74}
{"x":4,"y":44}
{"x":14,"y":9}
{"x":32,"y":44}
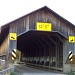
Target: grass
{"x":12,"y":73}
{"x":0,"y":68}
{"x":71,"y":73}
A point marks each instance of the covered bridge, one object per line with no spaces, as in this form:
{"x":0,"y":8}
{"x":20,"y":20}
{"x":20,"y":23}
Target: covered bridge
{"x":46,"y":46}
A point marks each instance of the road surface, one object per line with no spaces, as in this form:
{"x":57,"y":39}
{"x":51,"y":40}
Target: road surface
{"x":24,"y":70}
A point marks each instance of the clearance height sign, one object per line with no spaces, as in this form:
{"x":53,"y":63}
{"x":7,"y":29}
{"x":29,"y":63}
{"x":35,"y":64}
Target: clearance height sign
{"x":43,"y":26}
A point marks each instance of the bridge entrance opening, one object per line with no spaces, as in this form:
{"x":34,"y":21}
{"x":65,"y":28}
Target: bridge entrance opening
{"x":41,"y":49}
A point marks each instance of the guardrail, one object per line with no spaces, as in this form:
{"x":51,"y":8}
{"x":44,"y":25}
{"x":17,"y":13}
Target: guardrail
{"x":45,"y":67}
{"x":7,"y":71}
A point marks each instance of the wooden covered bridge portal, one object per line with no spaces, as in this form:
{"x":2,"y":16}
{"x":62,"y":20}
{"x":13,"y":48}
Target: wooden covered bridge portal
{"x":46,"y":49}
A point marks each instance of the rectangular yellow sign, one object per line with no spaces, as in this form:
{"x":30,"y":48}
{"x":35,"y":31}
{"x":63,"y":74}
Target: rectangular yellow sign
{"x":71,"y":39}
{"x":13,"y":36}
{"x":43,"y":26}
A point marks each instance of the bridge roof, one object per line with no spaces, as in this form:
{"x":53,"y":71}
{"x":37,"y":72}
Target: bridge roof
{"x":5,"y":27}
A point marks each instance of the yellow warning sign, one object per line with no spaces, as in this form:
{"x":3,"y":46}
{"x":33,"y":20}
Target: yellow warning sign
{"x":71,"y":39}
{"x":43,"y":26}
{"x":13,"y":36}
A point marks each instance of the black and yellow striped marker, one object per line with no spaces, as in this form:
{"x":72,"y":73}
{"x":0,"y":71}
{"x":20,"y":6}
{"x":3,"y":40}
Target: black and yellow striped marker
{"x":70,"y":56}
{"x":13,"y":54}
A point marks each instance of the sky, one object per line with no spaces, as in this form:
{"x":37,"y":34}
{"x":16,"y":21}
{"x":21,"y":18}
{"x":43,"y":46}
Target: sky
{"x":13,"y":9}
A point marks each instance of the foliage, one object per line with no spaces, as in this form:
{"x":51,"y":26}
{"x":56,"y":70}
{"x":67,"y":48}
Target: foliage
{"x":0,"y":68}
{"x":71,"y":73}
{"x":12,"y":73}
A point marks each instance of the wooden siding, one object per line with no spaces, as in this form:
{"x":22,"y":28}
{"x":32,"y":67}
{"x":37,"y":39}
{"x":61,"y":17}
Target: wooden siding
{"x":19,"y":26}
{"x":4,"y":47}
{"x":58,"y":24}
{"x":29,"y":23}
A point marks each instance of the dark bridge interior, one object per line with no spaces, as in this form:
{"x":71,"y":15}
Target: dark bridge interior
{"x":41,"y":48}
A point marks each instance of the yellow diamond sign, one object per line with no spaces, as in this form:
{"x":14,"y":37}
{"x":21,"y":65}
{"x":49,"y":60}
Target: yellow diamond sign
{"x":13,"y":36}
{"x":43,"y":26}
{"x":71,"y":39}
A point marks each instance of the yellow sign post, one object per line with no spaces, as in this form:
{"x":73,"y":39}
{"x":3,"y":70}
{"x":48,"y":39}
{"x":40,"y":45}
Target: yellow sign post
{"x":13,"y":36}
{"x":43,"y":26}
{"x":71,"y":39}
